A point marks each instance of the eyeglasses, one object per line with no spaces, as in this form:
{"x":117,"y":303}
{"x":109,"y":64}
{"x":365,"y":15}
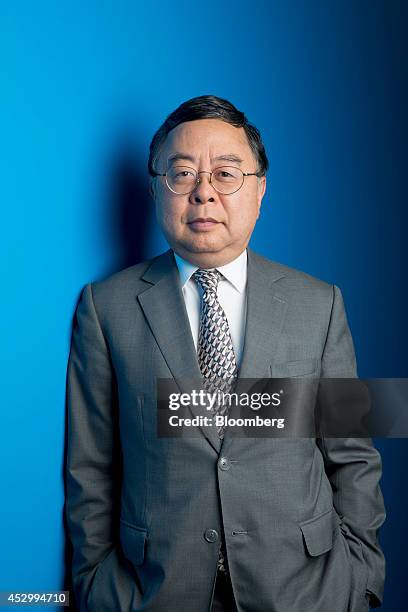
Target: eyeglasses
{"x":225,"y":179}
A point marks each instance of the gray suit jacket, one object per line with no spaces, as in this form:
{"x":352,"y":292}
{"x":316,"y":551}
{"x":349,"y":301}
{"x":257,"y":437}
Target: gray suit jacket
{"x":300,"y":517}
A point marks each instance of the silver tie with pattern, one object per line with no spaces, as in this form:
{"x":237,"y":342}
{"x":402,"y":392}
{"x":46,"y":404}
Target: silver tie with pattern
{"x":216,"y":355}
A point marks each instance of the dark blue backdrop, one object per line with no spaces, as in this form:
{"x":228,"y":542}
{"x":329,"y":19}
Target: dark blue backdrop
{"x":83,"y":88}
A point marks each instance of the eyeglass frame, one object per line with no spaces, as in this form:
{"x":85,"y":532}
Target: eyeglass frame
{"x":244,"y":174}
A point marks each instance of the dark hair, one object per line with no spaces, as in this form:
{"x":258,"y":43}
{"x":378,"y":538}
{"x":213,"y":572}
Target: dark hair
{"x":209,"y":107}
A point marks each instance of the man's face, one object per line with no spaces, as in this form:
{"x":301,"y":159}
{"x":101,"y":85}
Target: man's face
{"x":206,"y":227}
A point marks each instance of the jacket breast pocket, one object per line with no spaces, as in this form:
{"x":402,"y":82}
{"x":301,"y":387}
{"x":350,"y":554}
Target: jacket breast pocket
{"x":294,"y":369}
{"x":318,"y":533}
{"x":133,"y":541}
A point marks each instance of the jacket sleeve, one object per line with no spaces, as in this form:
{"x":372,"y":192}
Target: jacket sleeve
{"x":93,"y":466}
{"x":353,"y":465}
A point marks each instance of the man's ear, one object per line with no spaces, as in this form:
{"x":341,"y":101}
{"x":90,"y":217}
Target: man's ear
{"x":261,"y":191}
{"x":152,"y":188}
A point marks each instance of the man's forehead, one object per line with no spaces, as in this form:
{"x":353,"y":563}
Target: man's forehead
{"x":179,"y":156}
{"x":222,"y":140}
{"x":211,"y":129}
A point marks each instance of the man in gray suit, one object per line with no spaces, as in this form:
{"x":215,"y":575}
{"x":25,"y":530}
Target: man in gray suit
{"x":212,"y":521}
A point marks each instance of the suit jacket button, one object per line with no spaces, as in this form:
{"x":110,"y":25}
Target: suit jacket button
{"x":211,"y":535}
{"x":224,"y":464}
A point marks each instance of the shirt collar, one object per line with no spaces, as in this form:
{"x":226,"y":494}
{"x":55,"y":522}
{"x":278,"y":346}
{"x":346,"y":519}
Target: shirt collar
{"x":235,"y":271}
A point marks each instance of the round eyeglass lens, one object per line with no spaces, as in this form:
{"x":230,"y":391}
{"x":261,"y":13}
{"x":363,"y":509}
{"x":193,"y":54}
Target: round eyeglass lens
{"x":181,"y":179}
{"x":227,"y":179}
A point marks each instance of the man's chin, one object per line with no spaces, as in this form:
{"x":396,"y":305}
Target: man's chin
{"x":203,"y":246}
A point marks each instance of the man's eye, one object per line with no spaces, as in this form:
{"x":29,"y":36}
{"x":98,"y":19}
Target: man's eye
{"x":224,"y":175}
{"x":183,"y":174}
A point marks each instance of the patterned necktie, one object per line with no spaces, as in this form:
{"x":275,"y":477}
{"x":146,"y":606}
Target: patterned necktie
{"x":216,"y":355}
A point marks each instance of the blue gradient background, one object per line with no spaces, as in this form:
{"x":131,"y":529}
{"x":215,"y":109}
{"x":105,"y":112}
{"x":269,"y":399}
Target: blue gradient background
{"x":84,"y":85}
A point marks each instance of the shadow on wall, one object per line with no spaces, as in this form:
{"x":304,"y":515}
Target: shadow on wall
{"x":129,"y":211}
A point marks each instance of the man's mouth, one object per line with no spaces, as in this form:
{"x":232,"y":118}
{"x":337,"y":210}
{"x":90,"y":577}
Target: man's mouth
{"x":202,"y":223}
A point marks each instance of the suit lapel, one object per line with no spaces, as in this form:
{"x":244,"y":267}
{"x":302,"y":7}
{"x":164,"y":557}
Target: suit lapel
{"x":266,"y":310}
{"x":164,"y":307}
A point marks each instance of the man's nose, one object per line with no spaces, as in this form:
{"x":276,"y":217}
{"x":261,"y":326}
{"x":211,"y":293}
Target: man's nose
{"x":204,"y":191}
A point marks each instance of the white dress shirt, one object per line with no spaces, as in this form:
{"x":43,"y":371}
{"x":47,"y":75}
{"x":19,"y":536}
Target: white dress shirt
{"x":231,"y":295}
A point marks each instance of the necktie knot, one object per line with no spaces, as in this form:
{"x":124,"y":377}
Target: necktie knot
{"x":208,"y":279}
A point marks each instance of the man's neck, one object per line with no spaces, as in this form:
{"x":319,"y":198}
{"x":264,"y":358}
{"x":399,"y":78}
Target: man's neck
{"x":208,"y":260}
